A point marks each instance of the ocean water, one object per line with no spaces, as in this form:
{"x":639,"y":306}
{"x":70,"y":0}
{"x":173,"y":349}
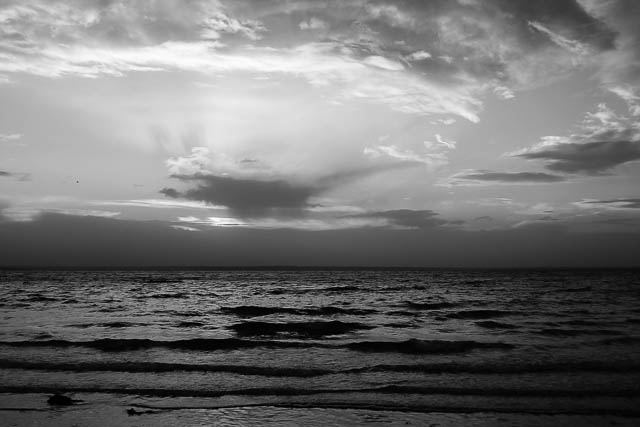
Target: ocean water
{"x":327,"y":347}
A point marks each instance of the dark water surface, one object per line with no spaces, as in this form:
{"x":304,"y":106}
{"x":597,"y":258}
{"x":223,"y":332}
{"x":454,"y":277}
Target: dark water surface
{"x":542,"y":343}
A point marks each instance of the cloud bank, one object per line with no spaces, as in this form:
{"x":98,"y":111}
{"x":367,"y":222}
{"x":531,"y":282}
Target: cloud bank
{"x":603,"y":141}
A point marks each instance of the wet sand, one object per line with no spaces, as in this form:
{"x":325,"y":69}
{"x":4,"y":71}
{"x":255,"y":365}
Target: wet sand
{"x":104,"y":410}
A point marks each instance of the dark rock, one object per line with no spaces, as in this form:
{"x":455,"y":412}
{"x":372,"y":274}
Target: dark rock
{"x":60,"y":400}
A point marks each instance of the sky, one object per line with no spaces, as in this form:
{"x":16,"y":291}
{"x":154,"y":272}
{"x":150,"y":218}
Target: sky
{"x":475,"y":133}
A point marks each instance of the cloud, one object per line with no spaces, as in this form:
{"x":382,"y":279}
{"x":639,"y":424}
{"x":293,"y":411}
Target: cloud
{"x":185,"y":228}
{"x":506,"y":177}
{"x":10,"y":137}
{"x":93,"y":241}
{"x":155,"y":204}
{"x":404,"y":218}
{"x":19,"y":176}
{"x":441,"y":143}
{"x":613,"y":203}
{"x":572,"y":46}
{"x":313,"y":24}
{"x":629,"y":94}
{"x":451,"y":55}
{"x":246,"y":197}
{"x":261,"y":196}
{"x":18,"y":213}
{"x":94,"y":38}
{"x":434,"y":155}
{"x":418,"y":55}
{"x":396,"y":152}
{"x":589,"y":158}
{"x":251,"y":191}
{"x":619,"y":68}
{"x":603,"y":141}
{"x":198,"y":161}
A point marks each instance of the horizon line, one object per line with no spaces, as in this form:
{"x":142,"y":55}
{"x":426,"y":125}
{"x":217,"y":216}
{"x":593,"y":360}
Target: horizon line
{"x":302,"y":267}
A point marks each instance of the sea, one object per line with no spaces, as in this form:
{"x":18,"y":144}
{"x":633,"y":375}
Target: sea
{"x":320,"y":347}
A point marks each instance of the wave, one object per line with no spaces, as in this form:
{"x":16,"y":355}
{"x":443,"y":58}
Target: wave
{"x":340,"y":289}
{"x":115,"y":324}
{"x":204,"y":344}
{"x":277,"y":371}
{"x":405,"y":313}
{"x":627,"y":340}
{"x":581,"y":289}
{"x":156,"y":367}
{"x":504,"y":369}
{"x":311,"y":329}
{"x":415,"y":346}
{"x":492,"y":324}
{"x":165,"y":295}
{"x":581,"y":322}
{"x":190,"y":324}
{"x":411,"y":346}
{"x":192,"y":313}
{"x":413,"y":408}
{"x":16,"y":305}
{"x":560,"y":332}
{"x":294,"y":391}
{"x":327,"y":290}
{"x":40,"y":298}
{"x":160,"y":280}
{"x":479,"y":314}
{"x":256,"y":311}
{"x":429,"y":305}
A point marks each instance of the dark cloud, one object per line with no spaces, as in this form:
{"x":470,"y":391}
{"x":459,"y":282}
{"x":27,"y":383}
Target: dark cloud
{"x":257,"y":198}
{"x":406,"y":218}
{"x":511,"y":177}
{"x":621,"y":203}
{"x":567,"y":17}
{"x":589,"y":157}
{"x":171,"y":192}
{"x":464,"y":38}
{"x":246,"y":197}
{"x":19,"y":176}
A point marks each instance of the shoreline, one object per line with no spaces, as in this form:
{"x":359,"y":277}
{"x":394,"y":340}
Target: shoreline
{"x":22,"y":409}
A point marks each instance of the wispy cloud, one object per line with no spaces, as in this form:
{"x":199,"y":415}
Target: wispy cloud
{"x":26,"y":213}
{"x":404,"y":218}
{"x":12,"y":138}
{"x":632,"y":203}
{"x":618,"y":70}
{"x":19,"y":176}
{"x":573,"y":46}
{"x":487,"y":177}
{"x":313,"y":23}
{"x":156,"y":204}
